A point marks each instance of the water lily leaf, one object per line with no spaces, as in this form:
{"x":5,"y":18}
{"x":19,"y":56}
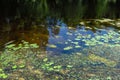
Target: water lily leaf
{"x":77,"y":39}
{"x":46,"y":59}
{"x":22,"y":66}
{"x":16,"y":48}
{"x":76,"y":43}
{"x":14,"y":67}
{"x":3,"y":75}
{"x":68,"y":48}
{"x":66,"y":42}
{"x":51,"y":63}
{"x":69,"y":40}
{"x":69,"y":66}
{"x":34,"y":45}
{"x":10,"y":46}
{"x":1,"y":70}
{"x":58,"y":66}
{"x":77,"y":46}
{"x":50,"y":69}
{"x":68,"y":33}
{"x":52,"y":46}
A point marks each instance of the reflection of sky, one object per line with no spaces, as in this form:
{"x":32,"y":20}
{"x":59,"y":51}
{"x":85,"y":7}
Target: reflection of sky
{"x":67,"y":37}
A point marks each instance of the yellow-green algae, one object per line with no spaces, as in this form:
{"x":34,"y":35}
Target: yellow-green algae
{"x":97,"y":58}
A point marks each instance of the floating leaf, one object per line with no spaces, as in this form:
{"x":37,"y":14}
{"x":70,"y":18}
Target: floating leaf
{"x":77,"y":39}
{"x":51,"y":45}
{"x":58,"y":66}
{"x":21,"y":66}
{"x":69,"y":66}
{"x":10,"y":46}
{"x":68,"y":48}
{"x":3,"y":75}
{"x":34,"y":45}
{"x":68,"y":33}
{"x":46,"y":59}
{"x":76,"y":43}
{"x":77,"y":46}
{"x":66,"y":42}
{"x":14,"y":67}
{"x":51,"y":63}
{"x":50,"y":69}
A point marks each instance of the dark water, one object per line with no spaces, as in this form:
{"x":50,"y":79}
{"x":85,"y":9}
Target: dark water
{"x":69,"y":10}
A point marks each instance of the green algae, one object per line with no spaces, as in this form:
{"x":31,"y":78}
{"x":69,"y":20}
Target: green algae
{"x":107,"y":62}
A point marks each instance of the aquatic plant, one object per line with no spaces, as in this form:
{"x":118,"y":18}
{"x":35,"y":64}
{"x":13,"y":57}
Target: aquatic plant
{"x":14,"y":67}
{"x":50,"y":65}
{"x":77,"y":46}
{"x":6,"y":59}
{"x":2,"y":74}
{"x":22,"y":45}
{"x":51,"y":45}
{"x":107,"y":62}
{"x":68,"y":48}
{"x":18,"y":66}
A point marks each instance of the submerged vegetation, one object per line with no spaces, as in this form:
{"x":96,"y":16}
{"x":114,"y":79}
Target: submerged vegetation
{"x":59,"y":40}
{"x":89,"y":56}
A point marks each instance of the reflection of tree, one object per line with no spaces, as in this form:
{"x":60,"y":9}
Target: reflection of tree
{"x":73,"y":9}
{"x":54,"y":25}
{"x":118,"y":8}
{"x":39,"y":35}
{"x":102,"y":7}
{"x":90,"y":8}
{"x":55,"y":31}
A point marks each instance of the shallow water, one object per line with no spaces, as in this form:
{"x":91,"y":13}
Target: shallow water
{"x":79,"y":52}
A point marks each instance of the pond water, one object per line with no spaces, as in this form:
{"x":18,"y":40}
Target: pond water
{"x":73,"y":39}
{"x":58,"y":37}
{"x":59,"y":40}
{"x":89,"y":50}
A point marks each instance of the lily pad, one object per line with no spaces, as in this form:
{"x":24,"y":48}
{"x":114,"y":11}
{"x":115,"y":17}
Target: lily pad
{"x":52,"y":46}
{"x":68,"y":48}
